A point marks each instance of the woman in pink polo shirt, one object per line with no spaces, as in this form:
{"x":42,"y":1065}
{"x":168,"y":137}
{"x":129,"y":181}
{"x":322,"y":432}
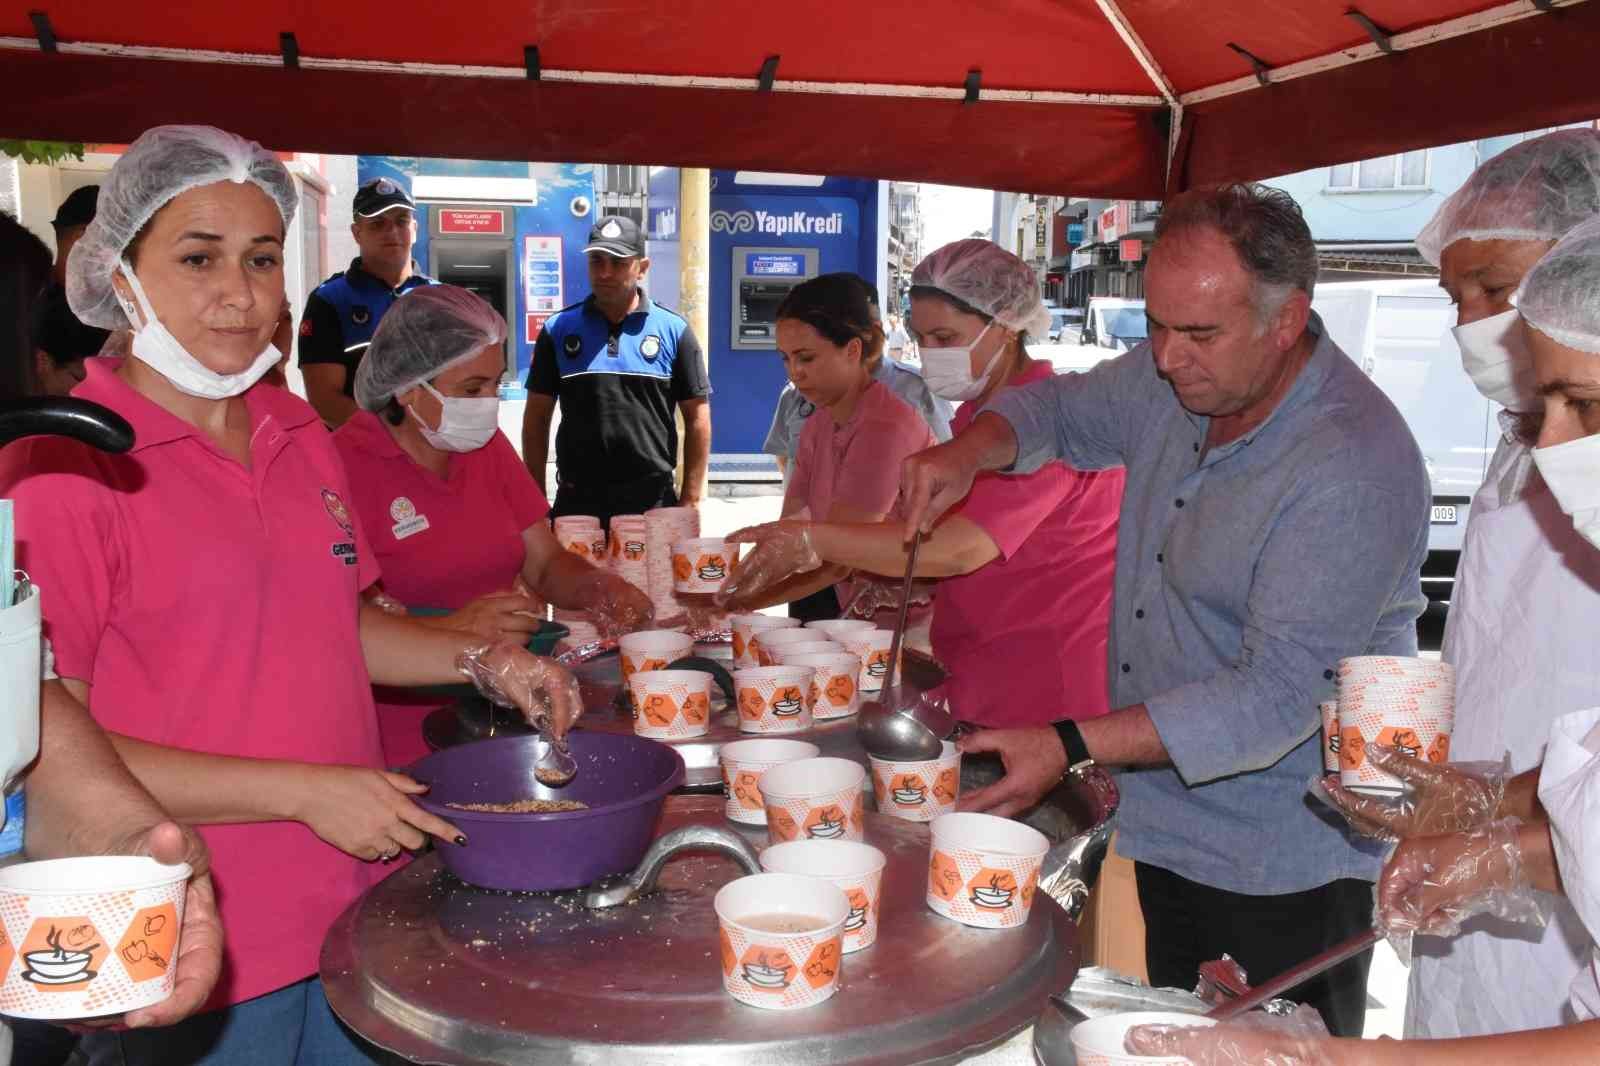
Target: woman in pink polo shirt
{"x":453,"y":515}
{"x":846,"y":468}
{"x":1022,"y":615}
{"x":203,"y":594}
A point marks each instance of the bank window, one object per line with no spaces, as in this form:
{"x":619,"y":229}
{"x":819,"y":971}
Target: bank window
{"x":1408,"y":170}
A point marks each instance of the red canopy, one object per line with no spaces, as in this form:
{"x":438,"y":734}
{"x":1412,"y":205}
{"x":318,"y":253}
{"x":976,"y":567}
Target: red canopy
{"x":1066,"y":96}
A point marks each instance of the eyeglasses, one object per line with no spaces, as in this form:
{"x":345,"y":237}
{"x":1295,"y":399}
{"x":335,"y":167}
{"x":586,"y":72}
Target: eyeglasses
{"x":613,"y":345}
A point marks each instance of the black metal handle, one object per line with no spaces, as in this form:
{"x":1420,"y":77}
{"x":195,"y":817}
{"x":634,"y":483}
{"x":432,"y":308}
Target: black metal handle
{"x":97,"y":426}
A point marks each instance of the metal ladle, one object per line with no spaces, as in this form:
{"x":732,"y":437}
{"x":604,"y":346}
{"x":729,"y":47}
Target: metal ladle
{"x":901,"y":725}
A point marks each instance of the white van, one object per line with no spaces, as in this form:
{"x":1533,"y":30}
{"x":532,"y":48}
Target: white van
{"x":1399,"y":333}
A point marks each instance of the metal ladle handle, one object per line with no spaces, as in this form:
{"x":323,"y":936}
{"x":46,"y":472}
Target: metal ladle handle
{"x":900,"y":622}
{"x":621,"y":888}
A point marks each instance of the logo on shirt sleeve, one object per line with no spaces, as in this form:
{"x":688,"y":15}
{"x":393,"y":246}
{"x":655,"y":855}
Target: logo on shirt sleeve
{"x":342,"y":549}
{"x":407,"y":522}
{"x":305,"y":326}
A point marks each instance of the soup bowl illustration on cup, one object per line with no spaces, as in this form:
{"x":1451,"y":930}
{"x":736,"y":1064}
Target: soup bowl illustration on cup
{"x":860,"y":903}
{"x":64,"y":960}
{"x":996,"y":892}
{"x":788,"y":702}
{"x":769,"y":969}
{"x":908,"y":790}
{"x":829,"y":824}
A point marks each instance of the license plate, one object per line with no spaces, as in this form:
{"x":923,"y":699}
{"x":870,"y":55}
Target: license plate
{"x":1444,"y":515}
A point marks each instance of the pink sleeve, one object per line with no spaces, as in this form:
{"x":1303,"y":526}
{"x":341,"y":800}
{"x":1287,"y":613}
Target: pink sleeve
{"x":1009,"y":508}
{"x":528,"y":504}
{"x":869,"y":477}
{"x":70,"y":542}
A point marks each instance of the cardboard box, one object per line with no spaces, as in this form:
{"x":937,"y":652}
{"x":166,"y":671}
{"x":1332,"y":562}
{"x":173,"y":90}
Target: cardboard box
{"x":1113,"y":927}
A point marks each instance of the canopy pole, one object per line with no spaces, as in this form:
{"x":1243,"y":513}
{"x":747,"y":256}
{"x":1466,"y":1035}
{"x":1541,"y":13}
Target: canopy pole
{"x":694,"y":268}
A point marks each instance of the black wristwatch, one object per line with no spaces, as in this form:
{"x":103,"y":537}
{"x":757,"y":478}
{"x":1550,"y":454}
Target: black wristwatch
{"x":1072,"y":740}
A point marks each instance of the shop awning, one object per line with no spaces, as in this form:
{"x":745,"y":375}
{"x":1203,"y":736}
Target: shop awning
{"x":1118,"y":98}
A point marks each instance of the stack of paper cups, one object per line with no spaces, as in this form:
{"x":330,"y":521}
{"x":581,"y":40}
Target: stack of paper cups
{"x":581,"y":535}
{"x":1409,"y":704}
{"x":628,"y":556}
{"x":664,"y":527}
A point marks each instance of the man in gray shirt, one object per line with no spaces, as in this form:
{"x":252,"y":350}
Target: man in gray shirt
{"x":1274,"y":522}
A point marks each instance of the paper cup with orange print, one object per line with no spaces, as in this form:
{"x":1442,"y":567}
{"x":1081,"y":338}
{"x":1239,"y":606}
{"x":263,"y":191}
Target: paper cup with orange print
{"x":700,"y":564}
{"x":834,"y":628}
{"x":671,"y":704}
{"x":855,"y":868}
{"x":1404,"y":703}
{"x":784,"y":654}
{"x":769,"y":641}
{"x":872,"y":647}
{"x":745,"y":629}
{"x":743,"y":763}
{"x":815,"y":799}
{"x":774,"y":699}
{"x":651,"y":649}
{"x":836,"y":690}
{"x":582,"y":535}
{"x":781,"y":939}
{"x":85,"y":937}
{"x":1330,"y":735}
{"x":918,"y":791}
{"x":983,"y":871}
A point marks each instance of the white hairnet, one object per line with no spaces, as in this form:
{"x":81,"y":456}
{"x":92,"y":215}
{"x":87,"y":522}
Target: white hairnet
{"x":427,"y":331}
{"x":164,"y":162}
{"x":1534,"y":191}
{"x":986,"y":277}
{"x":1561,"y":294}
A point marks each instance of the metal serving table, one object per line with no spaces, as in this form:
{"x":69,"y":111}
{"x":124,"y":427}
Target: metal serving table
{"x":440,"y":972}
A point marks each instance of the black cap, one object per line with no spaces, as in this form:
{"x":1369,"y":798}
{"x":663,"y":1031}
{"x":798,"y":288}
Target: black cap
{"x":616,"y":235}
{"x":380,"y":195}
{"x":78,"y":208}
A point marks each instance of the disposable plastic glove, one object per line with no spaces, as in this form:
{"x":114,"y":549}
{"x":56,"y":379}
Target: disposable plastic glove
{"x":510,"y":675}
{"x":1252,"y":1039}
{"x":1439,"y":798}
{"x":782,"y":549}
{"x":876,"y":593}
{"x":614,"y":605}
{"x":1432,"y":884}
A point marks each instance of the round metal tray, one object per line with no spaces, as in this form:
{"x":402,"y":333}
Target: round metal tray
{"x":440,"y":972}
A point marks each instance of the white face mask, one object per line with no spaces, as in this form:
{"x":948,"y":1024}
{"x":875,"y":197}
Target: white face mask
{"x":1572,"y":470}
{"x":948,"y":371}
{"x":466,"y":423}
{"x":1496,"y":357}
{"x":156,"y":347}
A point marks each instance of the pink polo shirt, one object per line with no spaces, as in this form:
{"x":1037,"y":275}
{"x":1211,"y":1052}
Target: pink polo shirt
{"x":857,"y":463}
{"x":441,"y":542}
{"x":214,"y":607}
{"x":1024,"y":636}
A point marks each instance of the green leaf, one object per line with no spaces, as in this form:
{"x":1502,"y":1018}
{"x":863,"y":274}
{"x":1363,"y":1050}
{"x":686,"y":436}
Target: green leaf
{"x":47,"y":152}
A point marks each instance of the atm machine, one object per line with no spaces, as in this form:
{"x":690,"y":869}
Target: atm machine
{"x":762,"y":278}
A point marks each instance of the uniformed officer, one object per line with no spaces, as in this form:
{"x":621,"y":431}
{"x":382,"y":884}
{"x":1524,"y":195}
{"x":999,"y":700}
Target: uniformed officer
{"x":619,"y":363}
{"x":343,"y":312}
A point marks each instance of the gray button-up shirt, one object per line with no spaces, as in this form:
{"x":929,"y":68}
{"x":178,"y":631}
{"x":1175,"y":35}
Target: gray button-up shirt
{"x":1244,"y":574}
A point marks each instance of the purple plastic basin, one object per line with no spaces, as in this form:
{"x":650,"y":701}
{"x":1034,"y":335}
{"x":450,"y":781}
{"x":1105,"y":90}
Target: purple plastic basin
{"x":624,"y":780}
